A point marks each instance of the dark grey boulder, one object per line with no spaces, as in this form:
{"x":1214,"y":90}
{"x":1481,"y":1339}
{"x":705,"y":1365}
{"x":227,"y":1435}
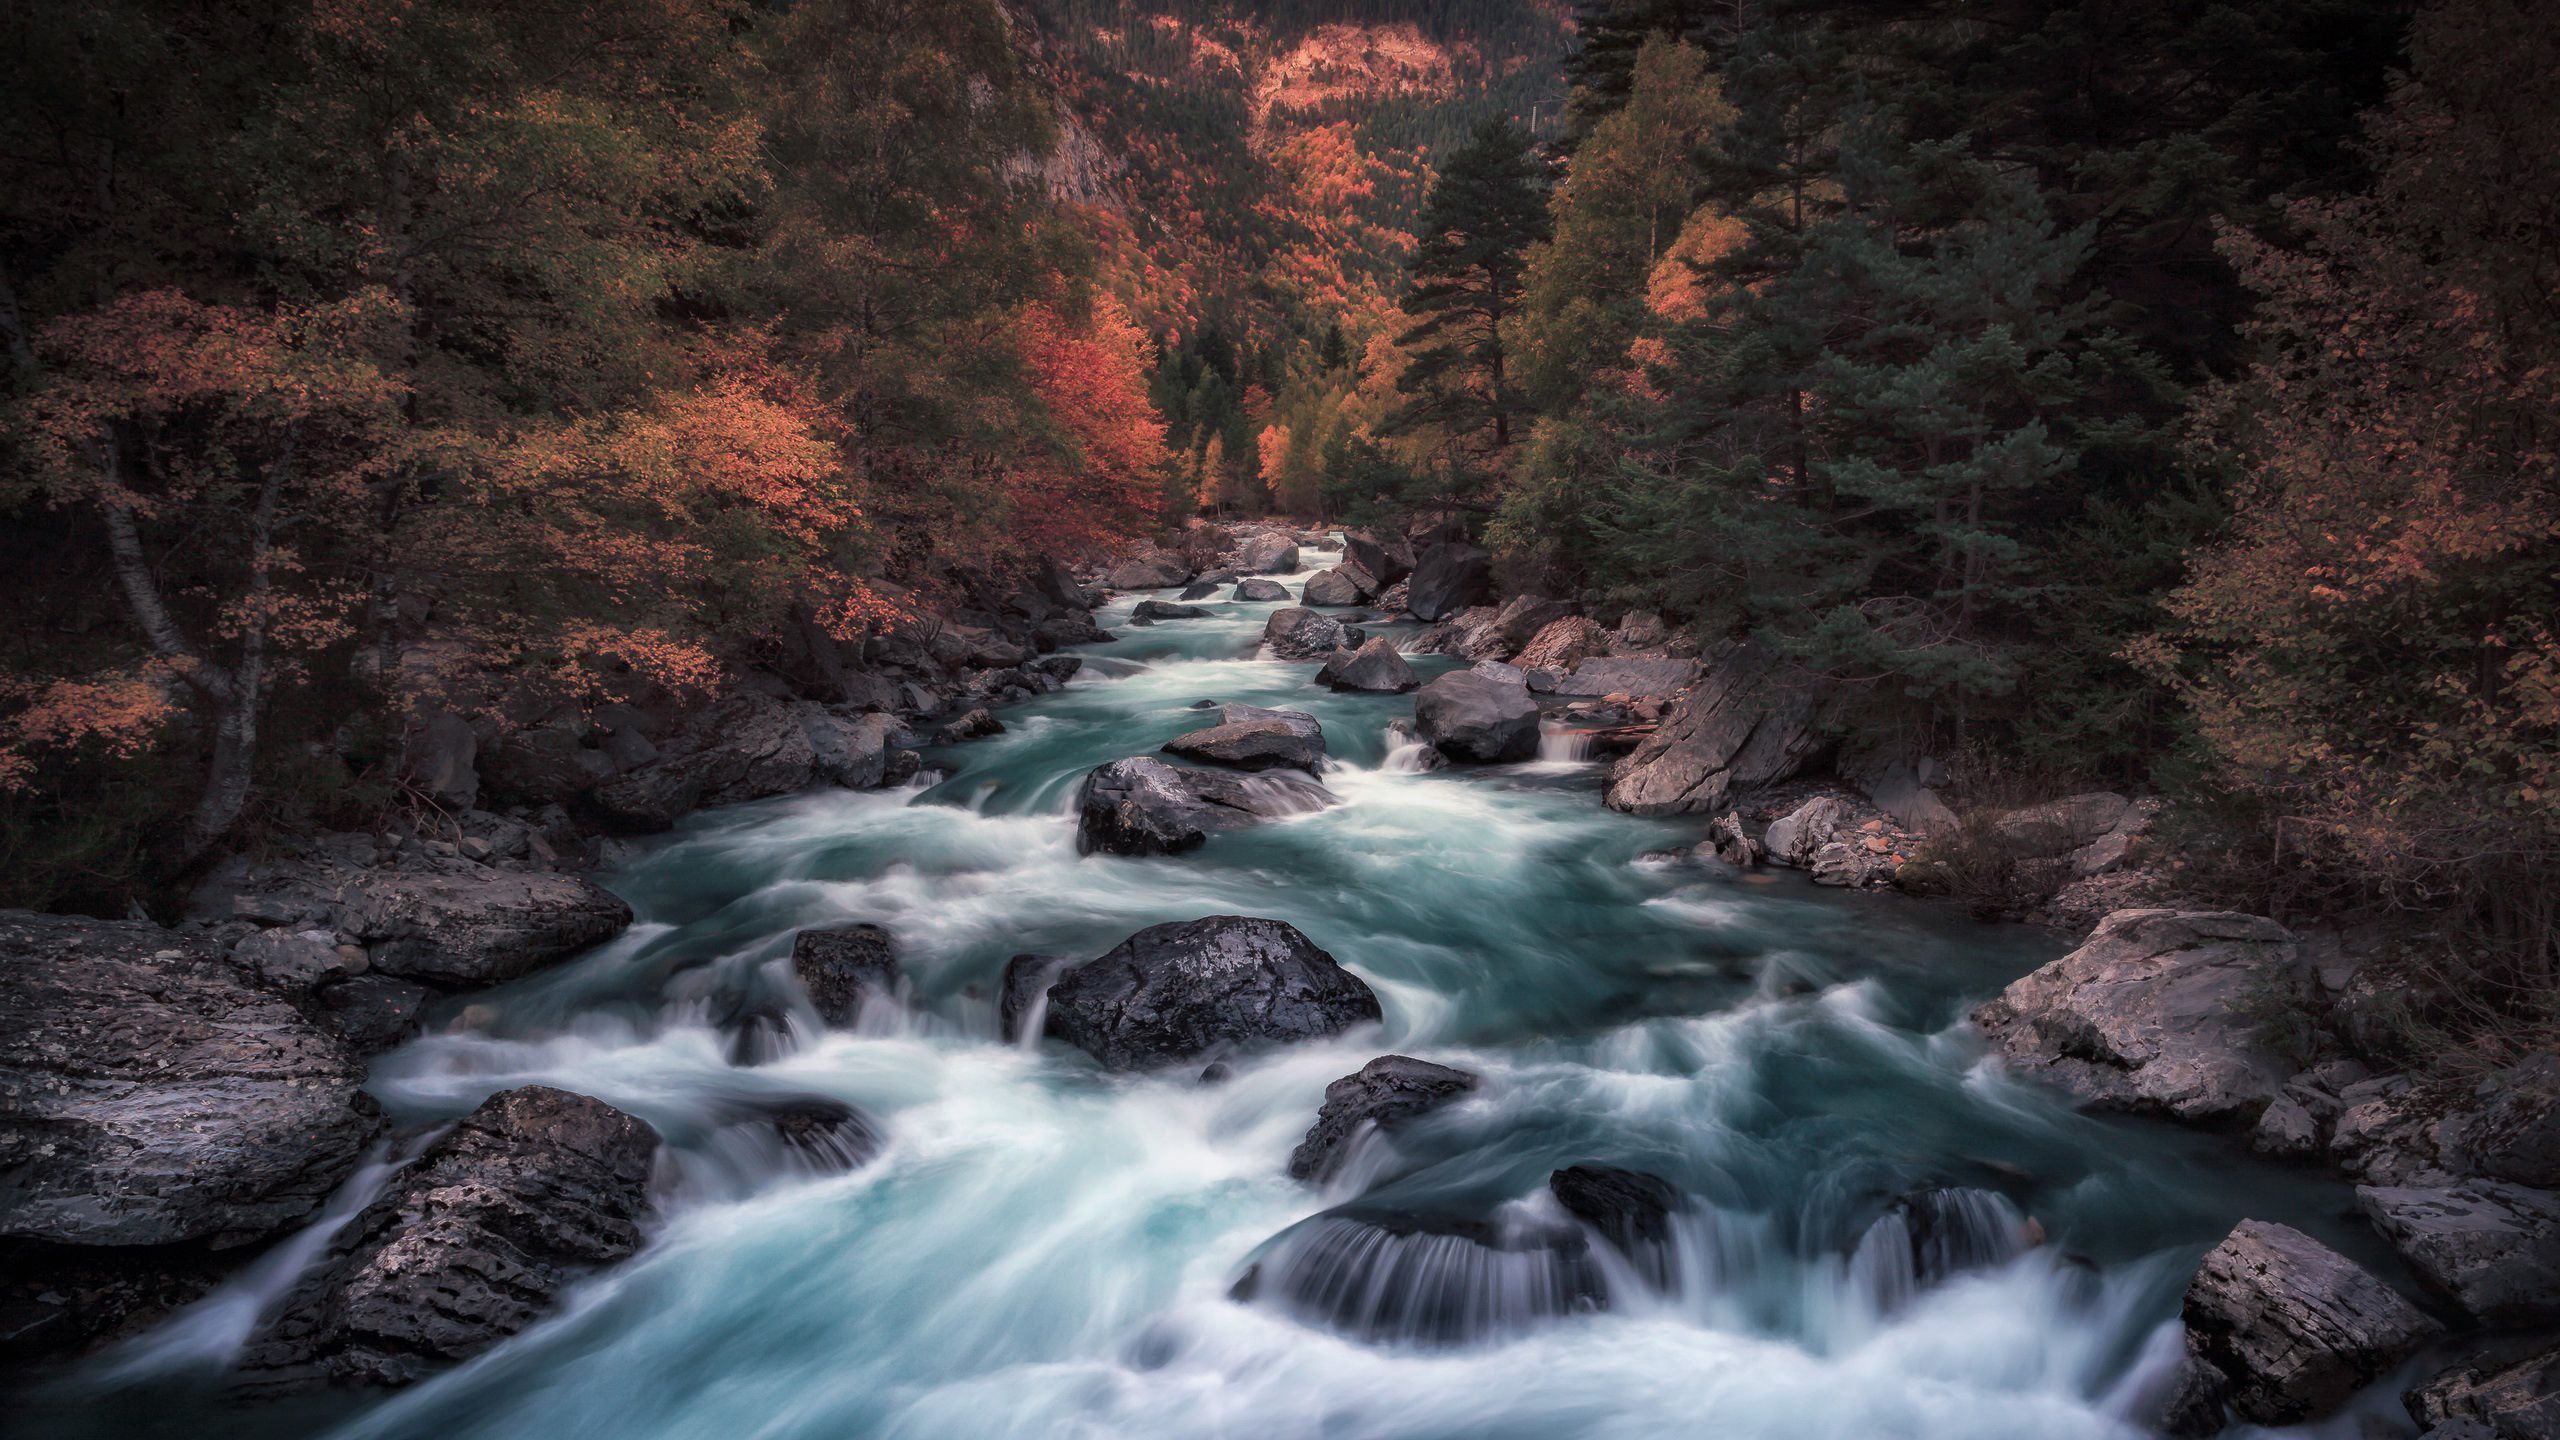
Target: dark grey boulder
{"x":845,"y":968}
{"x":1156,"y":570}
{"x":969,"y":725}
{"x":1267,"y":554}
{"x":1447,"y":579}
{"x":150,"y":1093}
{"x":1142,"y":806}
{"x":1342,"y":585}
{"x":1470,"y":717}
{"x":2491,"y":1247}
{"x":469,"y":1245}
{"x":1076,"y":629}
{"x":1208,"y":585}
{"x":1248,"y":737}
{"x":1024,"y":995}
{"x":814,"y":1134}
{"x":1167,"y":610}
{"x":1178,"y":991}
{"x":1261,"y":592}
{"x":1752,"y":721}
{"x":1383,"y":1093}
{"x":748,"y":747}
{"x":1390,"y":560}
{"x":1374,"y":667}
{"x":1298,"y":633}
{"x":371,"y":1013}
{"x":2295,"y":1327}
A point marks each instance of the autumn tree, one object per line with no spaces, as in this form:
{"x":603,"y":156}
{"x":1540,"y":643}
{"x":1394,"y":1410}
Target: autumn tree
{"x":2372,"y":650}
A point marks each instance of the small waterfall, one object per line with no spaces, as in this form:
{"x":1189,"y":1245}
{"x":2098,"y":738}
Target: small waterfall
{"x":1562,"y":744}
{"x":1407,"y":754}
{"x":1279,"y":793}
{"x":210,"y":1333}
{"x":1929,"y":1235}
{"x":1426,"y":1280}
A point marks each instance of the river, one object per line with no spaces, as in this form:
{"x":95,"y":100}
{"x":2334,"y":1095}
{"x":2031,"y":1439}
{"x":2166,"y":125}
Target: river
{"x":1043,"y":1249}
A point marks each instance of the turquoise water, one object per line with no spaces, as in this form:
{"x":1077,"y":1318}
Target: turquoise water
{"x":1043,"y":1249}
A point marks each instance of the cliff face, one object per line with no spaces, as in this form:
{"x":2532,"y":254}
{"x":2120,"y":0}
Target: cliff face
{"x":1250,"y":162}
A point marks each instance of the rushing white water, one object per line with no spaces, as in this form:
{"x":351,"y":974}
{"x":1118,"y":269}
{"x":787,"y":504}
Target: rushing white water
{"x":1042,"y":1249}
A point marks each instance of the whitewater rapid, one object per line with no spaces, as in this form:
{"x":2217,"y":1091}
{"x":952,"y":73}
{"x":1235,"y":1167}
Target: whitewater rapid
{"x":1043,"y":1249}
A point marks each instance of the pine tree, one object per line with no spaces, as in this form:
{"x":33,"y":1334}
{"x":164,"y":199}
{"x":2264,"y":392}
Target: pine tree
{"x":1485,"y":211}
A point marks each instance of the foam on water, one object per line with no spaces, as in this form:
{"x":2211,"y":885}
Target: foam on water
{"x":1041,"y":1249}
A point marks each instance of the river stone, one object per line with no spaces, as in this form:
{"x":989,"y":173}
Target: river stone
{"x":1374,"y":667}
{"x":1059,"y":631}
{"x":1261,"y":592}
{"x":1425,"y":1279}
{"x":1024,"y":989}
{"x":1267,"y":554}
{"x":1249,"y":738}
{"x":2511,"y":1131}
{"x":372,"y":1013}
{"x":1628,"y":1208}
{"x":2496,"y":1395}
{"x":1469,"y":717}
{"x":749,"y":747}
{"x":1167,"y":610}
{"x":818,"y":1134}
{"x":1342,"y":585}
{"x":1752,"y":721}
{"x":468,"y":1245}
{"x":1383,"y":1093}
{"x":844,"y":968}
{"x":1563,"y":644}
{"x":1156,"y":570}
{"x":1177,"y":991}
{"x":1203,"y":588}
{"x":1142,"y":806}
{"x":1390,"y":560}
{"x":1603,"y":675}
{"x":1794,"y":838}
{"x":467,"y":927}
{"x":149,"y":1093}
{"x":1447,"y":579}
{"x":2152,"y":1013}
{"x":2294,"y":1326}
{"x":2491,"y":1247}
{"x":1298,"y":633}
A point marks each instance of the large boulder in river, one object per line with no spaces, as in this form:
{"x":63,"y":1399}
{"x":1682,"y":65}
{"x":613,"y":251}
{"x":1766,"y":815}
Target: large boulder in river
{"x":2293,"y":1327}
{"x":2154,"y":1013}
{"x":2491,"y":1247}
{"x":1141,"y":806}
{"x":845,"y":968}
{"x":1156,"y":570}
{"x":1342,"y":585}
{"x":1374,"y":667}
{"x":1166,"y":610}
{"x":1389,"y":560}
{"x":1379,"y":1095}
{"x":1260,"y":591}
{"x":1178,"y":991}
{"x":1472,"y":717}
{"x":1448,"y":579}
{"x":1248,"y":737}
{"x":1267,"y":554}
{"x":469,"y":1245}
{"x":1299,"y":633}
{"x":150,"y":1093}
{"x":1751,"y":722}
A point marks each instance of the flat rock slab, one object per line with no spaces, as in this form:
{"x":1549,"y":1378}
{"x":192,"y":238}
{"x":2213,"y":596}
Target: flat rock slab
{"x":1249,"y":738}
{"x":2491,"y":1247}
{"x":2152,"y":1014}
{"x":1176,"y":992}
{"x":1608,"y":676}
{"x":468,"y":1245}
{"x":2295,"y":1327}
{"x":150,"y":1094}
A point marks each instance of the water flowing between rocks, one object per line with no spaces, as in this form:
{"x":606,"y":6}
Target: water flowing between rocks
{"x":1043,"y":1249}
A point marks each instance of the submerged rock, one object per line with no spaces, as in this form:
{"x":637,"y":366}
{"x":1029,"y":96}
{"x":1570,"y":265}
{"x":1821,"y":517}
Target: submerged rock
{"x":2153,"y":1012}
{"x":469,"y":1245}
{"x":150,"y":1094}
{"x":1401,"y":1277}
{"x":1381,"y":1094}
{"x":845,"y":968}
{"x":1628,"y":1208}
{"x":2294,"y":1327}
{"x":1299,"y":633}
{"x":1142,"y":806}
{"x":1927,"y":1236}
{"x":1470,"y":717}
{"x":816,"y":1134}
{"x":1375,"y":667}
{"x":1177,"y":991}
